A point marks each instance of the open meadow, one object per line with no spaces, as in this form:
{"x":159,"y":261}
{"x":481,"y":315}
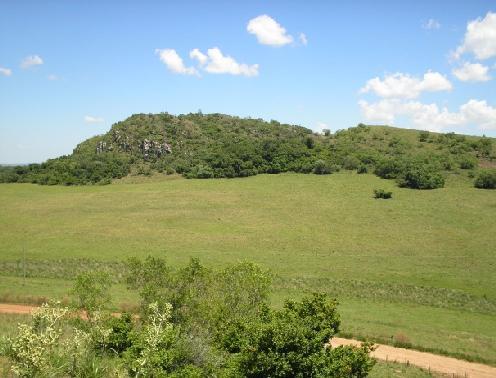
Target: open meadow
{"x":415,"y":270}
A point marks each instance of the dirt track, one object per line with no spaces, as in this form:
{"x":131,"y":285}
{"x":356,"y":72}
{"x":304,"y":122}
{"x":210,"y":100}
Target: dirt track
{"x":427,"y":361}
{"x":6,"y":308}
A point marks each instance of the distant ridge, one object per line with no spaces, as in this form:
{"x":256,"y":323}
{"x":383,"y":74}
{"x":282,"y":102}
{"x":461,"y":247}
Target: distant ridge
{"x":216,"y":145}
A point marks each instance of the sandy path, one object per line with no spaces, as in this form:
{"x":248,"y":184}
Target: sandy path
{"x":434,"y":362}
{"x":7,"y":308}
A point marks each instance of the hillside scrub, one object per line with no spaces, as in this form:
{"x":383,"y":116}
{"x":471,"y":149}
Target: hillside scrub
{"x":194,"y":322}
{"x":217,"y":146}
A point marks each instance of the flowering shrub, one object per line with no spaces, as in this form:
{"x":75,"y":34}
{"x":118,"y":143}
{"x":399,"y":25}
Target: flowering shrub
{"x":35,"y":345}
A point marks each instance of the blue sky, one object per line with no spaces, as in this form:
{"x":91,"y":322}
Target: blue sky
{"x":70,"y":69}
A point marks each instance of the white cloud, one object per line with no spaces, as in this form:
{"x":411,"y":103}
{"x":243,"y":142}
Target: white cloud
{"x":480,"y":38}
{"x":30,"y":61}
{"x":52,"y":77}
{"x":382,"y":111}
{"x":174,"y":62}
{"x":431,"y":24}
{"x":268,"y":31}
{"x":472,"y":72}
{"x":198,"y":55}
{"x":217,"y":63}
{"x":429,"y":116}
{"x":401,"y":85}
{"x":5,"y":71}
{"x":303,"y":39}
{"x":92,"y":119}
{"x":479,"y":112}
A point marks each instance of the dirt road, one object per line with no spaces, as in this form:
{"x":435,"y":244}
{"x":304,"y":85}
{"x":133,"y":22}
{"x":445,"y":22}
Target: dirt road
{"x":427,"y":361}
{"x":7,"y":308}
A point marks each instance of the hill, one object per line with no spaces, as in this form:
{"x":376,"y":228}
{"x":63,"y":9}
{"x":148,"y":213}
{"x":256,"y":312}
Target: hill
{"x":217,"y":145}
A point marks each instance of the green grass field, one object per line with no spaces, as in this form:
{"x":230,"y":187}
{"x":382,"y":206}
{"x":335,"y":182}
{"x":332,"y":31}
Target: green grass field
{"x":417,"y":269}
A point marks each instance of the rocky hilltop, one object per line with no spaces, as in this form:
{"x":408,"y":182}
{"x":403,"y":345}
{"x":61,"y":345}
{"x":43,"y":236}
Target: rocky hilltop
{"x":217,"y":145}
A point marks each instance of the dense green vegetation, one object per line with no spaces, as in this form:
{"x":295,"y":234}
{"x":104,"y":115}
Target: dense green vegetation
{"x":195,"y":322}
{"x":419,"y":267}
{"x":216,"y":146}
{"x":486,"y":179}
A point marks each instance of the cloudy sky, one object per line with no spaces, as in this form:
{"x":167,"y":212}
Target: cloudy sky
{"x":69,"y":69}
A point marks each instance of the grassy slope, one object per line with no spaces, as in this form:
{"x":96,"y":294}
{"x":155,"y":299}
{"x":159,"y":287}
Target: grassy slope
{"x":324,"y":232}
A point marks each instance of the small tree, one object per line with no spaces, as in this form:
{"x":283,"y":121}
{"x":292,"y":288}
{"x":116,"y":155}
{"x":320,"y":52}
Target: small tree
{"x":92,"y":292}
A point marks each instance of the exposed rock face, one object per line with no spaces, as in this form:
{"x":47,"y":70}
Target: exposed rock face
{"x":123,"y":143}
{"x":148,"y":148}
{"x":101,"y":147}
{"x":153,"y":148}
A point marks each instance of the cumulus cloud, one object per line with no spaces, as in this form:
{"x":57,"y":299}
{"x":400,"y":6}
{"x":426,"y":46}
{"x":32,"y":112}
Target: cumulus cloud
{"x":198,"y":55}
{"x":472,"y":72}
{"x":5,"y":71}
{"x":401,"y":85}
{"x":480,"y":38}
{"x":30,"y":61}
{"x":92,"y":119}
{"x":174,"y":62}
{"x":268,"y":31}
{"x":431,"y":24}
{"x":479,"y":112}
{"x":429,"y":116}
{"x":216,"y":62}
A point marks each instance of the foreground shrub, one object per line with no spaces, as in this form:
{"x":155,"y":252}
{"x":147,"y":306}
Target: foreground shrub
{"x":381,"y":193}
{"x":221,"y":326}
{"x":486,"y":179}
{"x":36,"y":347}
{"x":154,"y":351}
{"x":290,"y":343}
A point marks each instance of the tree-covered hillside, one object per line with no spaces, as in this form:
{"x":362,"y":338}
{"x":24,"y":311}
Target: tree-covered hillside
{"x":217,"y":145}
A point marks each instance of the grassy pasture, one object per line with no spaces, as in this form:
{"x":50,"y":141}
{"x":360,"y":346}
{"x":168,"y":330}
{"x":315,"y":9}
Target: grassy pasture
{"x":418,"y":268}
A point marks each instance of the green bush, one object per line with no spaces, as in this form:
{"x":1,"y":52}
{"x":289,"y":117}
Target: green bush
{"x":290,"y":343}
{"x":421,"y":177}
{"x":468,"y":162}
{"x":423,"y":136}
{"x":486,"y":179}
{"x":362,"y":168}
{"x":322,"y":167}
{"x":351,"y":162}
{"x":382,"y":194}
{"x":389,"y":168}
